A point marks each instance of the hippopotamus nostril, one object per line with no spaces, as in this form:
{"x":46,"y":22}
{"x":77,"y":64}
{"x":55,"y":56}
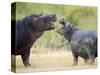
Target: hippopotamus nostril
{"x":62,"y":21}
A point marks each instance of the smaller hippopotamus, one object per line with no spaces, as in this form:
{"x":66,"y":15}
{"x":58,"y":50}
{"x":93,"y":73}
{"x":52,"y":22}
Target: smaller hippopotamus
{"x":83,"y":42}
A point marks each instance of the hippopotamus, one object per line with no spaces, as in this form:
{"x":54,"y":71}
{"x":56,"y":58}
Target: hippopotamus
{"x":83,"y":43}
{"x":27,"y":30}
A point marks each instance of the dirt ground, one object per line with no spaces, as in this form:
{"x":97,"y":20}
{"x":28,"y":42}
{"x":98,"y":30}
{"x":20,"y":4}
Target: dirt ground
{"x":52,"y":61}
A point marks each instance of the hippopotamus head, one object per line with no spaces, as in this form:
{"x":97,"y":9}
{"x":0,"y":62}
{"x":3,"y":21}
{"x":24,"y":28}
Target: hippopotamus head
{"x":66,"y":26}
{"x":42,"y":22}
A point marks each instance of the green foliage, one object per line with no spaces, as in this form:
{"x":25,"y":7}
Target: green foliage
{"x":83,"y":17}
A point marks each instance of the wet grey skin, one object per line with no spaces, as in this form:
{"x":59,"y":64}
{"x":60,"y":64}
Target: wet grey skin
{"x":83,"y":43}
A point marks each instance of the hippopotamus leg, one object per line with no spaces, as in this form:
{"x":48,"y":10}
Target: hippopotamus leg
{"x":74,"y":49}
{"x":25,"y":56}
{"x":91,"y":56}
{"x":75,"y":59}
{"x":86,"y":60}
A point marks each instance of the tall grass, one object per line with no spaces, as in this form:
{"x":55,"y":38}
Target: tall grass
{"x":83,"y":17}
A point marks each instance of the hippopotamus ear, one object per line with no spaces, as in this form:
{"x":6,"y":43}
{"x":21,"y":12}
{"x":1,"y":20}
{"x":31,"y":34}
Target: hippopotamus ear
{"x":35,"y":17}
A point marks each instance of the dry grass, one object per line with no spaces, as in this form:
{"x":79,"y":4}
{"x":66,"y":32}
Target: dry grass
{"x":56,"y":60}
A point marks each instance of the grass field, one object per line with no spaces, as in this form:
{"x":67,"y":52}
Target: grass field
{"x":51,"y":61}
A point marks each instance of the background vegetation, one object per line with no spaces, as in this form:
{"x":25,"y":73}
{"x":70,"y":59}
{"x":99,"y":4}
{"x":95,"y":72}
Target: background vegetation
{"x":84,"y":17}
